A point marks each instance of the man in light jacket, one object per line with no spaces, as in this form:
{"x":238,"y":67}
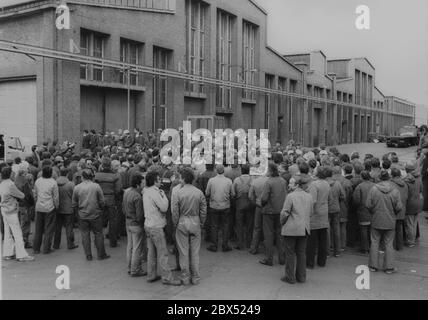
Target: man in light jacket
{"x":47,"y":201}
{"x":295,"y":221}
{"x":384,"y":204}
{"x":189,"y":211}
{"x":155,"y":207}
{"x":13,"y":245}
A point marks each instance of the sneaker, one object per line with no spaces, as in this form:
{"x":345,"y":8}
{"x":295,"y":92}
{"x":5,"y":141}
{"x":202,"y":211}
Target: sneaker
{"x":373,"y":269}
{"x":27,"y":258}
{"x":139,"y":274}
{"x":105,"y":257}
{"x":285,"y":279}
{"x":411,"y":245}
{"x":212,"y":249}
{"x":173,"y":282}
{"x":195,"y":282}
{"x":8,"y":258}
{"x":390,"y":271}
{"x":266,"y":262}
{"x":154,"y":279}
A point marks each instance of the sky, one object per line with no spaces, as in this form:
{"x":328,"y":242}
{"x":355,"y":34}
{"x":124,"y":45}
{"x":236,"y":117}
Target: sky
{"x":397,"y":42}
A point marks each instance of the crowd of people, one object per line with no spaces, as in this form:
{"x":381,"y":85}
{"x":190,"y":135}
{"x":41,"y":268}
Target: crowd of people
{"x":311,"y":205}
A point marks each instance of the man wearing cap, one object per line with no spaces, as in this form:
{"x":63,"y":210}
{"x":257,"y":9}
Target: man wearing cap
{"x":88,"y":202}
{"x":111,"y":186}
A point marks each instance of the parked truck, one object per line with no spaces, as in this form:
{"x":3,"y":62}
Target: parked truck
{"x":409,"y":137}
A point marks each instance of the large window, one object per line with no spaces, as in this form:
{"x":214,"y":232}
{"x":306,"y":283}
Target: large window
{"x":224,"y":58}
{"x":195,"y":43}
{"x":270,"y":79}
{"x":130,"y":52}
{"x":249,"y":39}
{"x":92,"y":44}
{"x":161,"y":59}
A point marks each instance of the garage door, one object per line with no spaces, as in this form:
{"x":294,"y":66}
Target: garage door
{"x":18,"y":110}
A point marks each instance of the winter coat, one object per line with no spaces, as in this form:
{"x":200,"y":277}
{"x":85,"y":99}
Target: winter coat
{"x":65,"y":190}
{"x":384,"y":204}
{"x":345,"y":204}
{"x":359,"y":200}
{"x":414,"y":201}
{"x":404,"y":194}
{"x":319,"y":190}
{"x":336,"y":195}
{"x":296,"y":214}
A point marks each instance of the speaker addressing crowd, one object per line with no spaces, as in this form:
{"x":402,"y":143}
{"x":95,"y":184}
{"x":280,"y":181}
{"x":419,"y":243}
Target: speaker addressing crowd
{"x":310,"y":205}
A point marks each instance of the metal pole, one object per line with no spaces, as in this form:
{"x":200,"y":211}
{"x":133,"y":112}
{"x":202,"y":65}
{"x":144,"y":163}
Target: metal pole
{"x":129,"y":99}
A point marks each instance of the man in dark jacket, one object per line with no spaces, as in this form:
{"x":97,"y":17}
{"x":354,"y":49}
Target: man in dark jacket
{"x":273,"y":198}
{"x":364,"y":218}
{"x":414,"y":203}
{"x":402,"y":187}
{"x":23,"y":184}
{"x":134,"y":212}
{"x":64,"y":215}
{"x":384,"y":204}
{"x":110,"y":183}
{"x":88,"y":201}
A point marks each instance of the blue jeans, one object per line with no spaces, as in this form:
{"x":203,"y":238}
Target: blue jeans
{"x":386,"y":237}
{"x":134,"y":251}
{"x":335,"y":231}
{"x":157,"y":257}
{"x":188,"y":239}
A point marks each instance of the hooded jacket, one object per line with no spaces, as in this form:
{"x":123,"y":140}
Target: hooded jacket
{"x":402,"y":187}
{"x":319,"y":190}
{"x":384,"y":204}
{"x":359,"y":200}
{"x":414,"y":201}
{"x":345,"y":204}
{"x":336,"y":195}
{"x":65,"y":190}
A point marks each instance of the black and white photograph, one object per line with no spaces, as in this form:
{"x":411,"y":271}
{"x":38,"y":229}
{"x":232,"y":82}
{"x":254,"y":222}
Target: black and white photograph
{"x":233,"y":152}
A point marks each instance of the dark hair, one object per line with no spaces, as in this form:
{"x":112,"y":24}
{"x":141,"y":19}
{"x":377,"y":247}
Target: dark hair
{"x":384,"y":176}
{"x":17,"y":160}
{"x":278,"y":158}
{"x":64,"y":172}
{"x":328,"y":172}
{"x":245,"y":169}
{"x":46,"y":155}
{"x":87,"y":174}
{"x":395,"y":173}
{"x":386,"y":164}
{"x":365,"y":175}
{"x":30,"y":160}
{"x":187,"y":175}
{"x":304,"y":168}
{"x":344,"y":158}
{"x":375,"y":162}
{"x":368,"y":165}
{"x":273,"y":169}
{"x":358,"y":168}
{"x":46,"y":163}
{"x":151,"y":178}
{"x":6,"y":173}
{"x":312,"y":163}
{"x":47,"y":172}
{"x":321,"y":172}
{"x":348,"y":169}
{"x":136,"y":180}
{"x":138,"y":159}
{"x":209,"y":167}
